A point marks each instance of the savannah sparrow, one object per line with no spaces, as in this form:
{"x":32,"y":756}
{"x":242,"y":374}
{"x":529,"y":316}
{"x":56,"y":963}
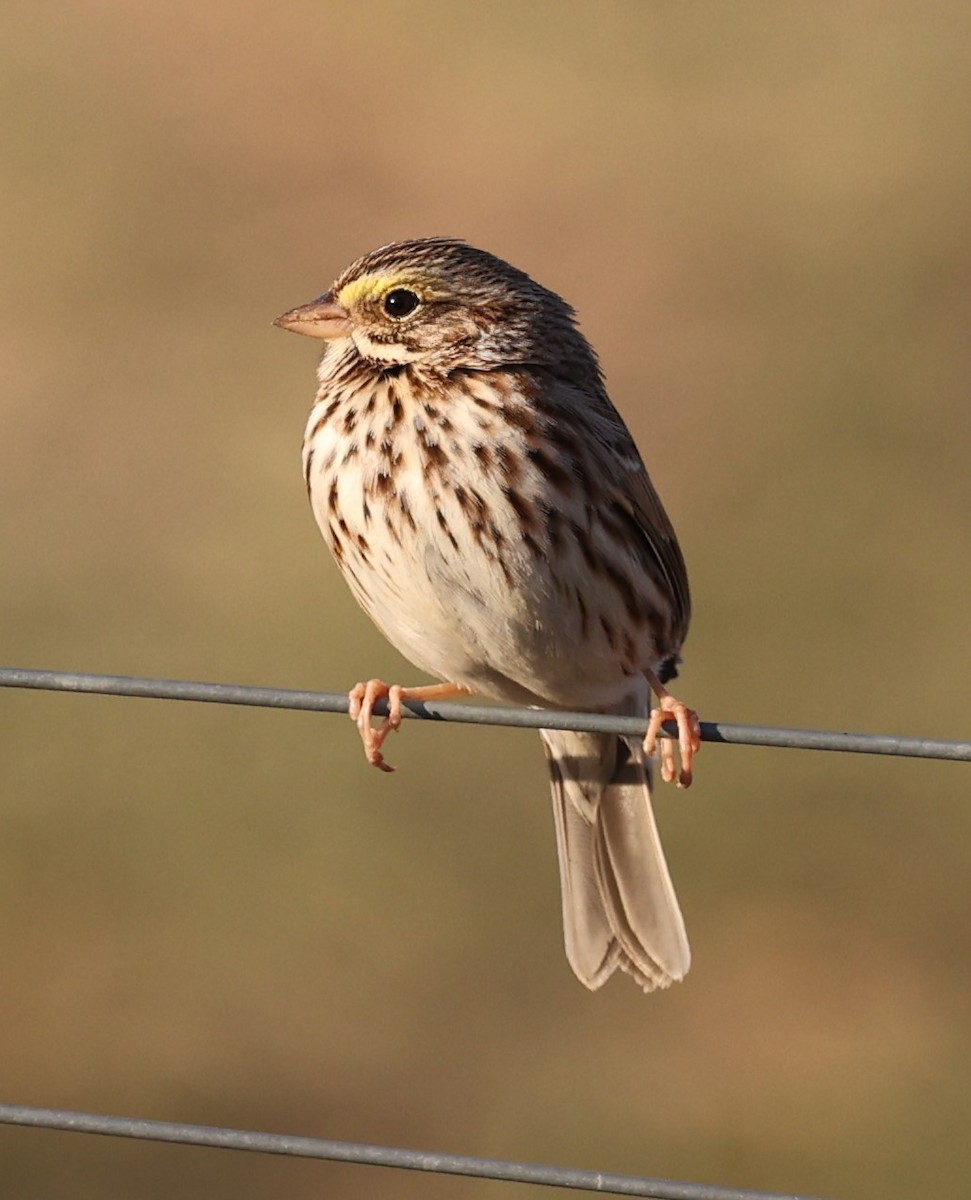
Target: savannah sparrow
{"x":491,"y":514}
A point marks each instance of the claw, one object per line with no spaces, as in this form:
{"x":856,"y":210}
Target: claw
{"x":689,"y":736}
{"x":361,"y":700}
{"x":360,"y":705}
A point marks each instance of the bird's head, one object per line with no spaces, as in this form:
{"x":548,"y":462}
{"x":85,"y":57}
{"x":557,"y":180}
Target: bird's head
{"x":444,"y":304}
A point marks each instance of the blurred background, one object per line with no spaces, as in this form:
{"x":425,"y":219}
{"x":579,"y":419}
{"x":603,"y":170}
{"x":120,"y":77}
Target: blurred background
{"x":761,"y":213}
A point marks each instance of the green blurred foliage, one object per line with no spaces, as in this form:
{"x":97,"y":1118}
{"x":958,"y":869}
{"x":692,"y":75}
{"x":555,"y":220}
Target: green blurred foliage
{"x":761,"y":213}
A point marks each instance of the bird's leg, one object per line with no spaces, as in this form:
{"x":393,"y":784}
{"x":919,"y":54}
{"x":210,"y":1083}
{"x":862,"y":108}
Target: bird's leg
{"x":363,"y":696}
{"x":689,"y":733}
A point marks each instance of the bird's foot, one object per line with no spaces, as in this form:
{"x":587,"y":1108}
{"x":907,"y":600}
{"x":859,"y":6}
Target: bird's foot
{"x":689,"y":735}
{"x":363,"y":697}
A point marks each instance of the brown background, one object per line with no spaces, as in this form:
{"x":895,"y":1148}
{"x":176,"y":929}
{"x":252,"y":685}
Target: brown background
{"x":761,"y":212}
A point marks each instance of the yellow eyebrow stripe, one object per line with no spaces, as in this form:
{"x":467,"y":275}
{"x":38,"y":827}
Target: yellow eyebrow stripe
{"x":367,"y":286}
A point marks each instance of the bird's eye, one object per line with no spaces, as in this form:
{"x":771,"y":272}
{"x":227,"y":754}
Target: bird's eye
{"x":399,"y":302}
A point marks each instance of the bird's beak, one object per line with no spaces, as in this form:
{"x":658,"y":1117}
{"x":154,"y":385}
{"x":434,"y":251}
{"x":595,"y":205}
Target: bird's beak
{"x":321,"y":318}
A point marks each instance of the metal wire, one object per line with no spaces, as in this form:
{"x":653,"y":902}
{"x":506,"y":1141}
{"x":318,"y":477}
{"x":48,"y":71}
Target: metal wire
{"x":523,"y":718}
{"x":379,"y":1156}
{"x":419,"y":1160}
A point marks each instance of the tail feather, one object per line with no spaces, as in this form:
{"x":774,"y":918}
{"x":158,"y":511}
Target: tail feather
{"x":591,"y":947}
{"x":619,"y":905}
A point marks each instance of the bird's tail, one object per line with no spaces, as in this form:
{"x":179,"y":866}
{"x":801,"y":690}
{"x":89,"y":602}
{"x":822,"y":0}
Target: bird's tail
{"x":619,"y":906}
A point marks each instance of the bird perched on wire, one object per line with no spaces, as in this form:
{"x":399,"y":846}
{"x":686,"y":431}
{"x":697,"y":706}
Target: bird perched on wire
{"x":490,"y":511}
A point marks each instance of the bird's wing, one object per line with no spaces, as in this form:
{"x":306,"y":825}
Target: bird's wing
{"x":624,"y":484}
{"x":658,"y":533}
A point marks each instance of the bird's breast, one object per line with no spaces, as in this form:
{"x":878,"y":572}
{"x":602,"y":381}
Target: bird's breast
{"x":471,"y":546}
